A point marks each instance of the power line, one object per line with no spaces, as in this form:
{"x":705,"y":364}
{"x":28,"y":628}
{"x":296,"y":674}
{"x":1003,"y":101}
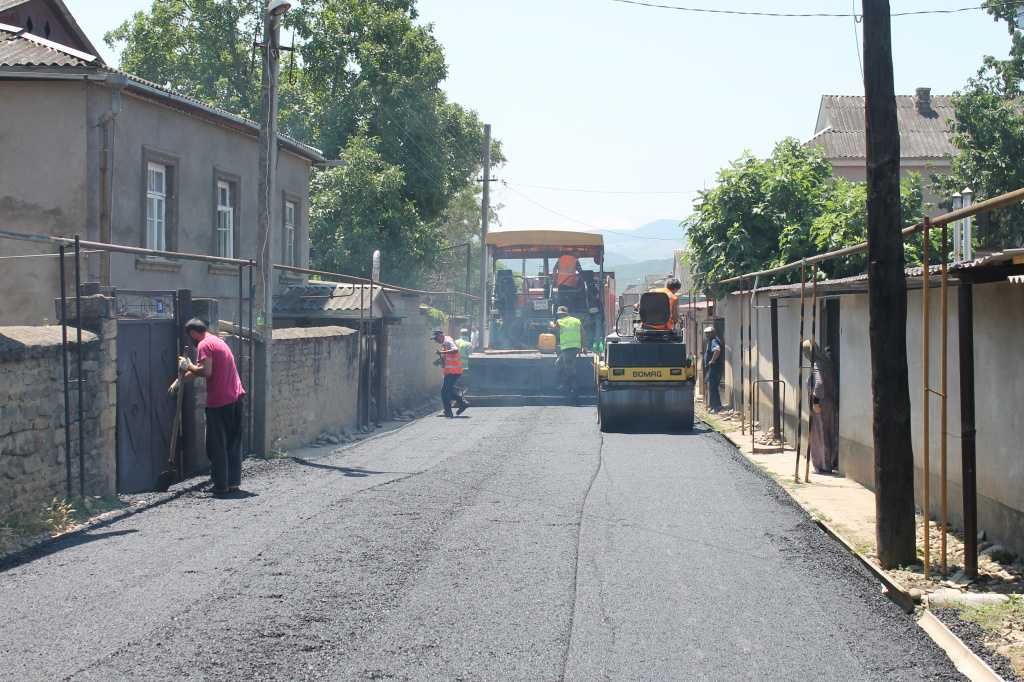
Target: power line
{"x":600,"y":191}
{"x":791,"y":15}
{"x":584,"y":224}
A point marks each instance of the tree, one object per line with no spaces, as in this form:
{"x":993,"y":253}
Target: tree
{"x":989,"y":133}
{"x":768,"y":212}
{"x":364,"y":79}
{"x":760,"y":212}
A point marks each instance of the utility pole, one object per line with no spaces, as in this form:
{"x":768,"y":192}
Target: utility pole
{"x":887,"y":299}
{"x":485,"y":213}
{"x":264,"y":251}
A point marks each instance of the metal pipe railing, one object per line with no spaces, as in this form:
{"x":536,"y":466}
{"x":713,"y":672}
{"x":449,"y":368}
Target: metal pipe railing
{"x":352,"y":279}
{"x":1000,"y":201}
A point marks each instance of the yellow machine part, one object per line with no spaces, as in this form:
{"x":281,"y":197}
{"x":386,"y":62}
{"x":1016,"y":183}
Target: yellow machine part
{"x":546,"y":343}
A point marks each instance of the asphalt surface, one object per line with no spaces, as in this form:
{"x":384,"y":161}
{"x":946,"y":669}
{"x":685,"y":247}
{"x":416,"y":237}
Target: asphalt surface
{"x":517,"y":543}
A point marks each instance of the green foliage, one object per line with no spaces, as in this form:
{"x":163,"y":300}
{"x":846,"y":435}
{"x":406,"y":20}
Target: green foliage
{"x":363,"y":84}
{"x":366,"y":196}
{"x":989,"y":133}
{"x":767,"y":212}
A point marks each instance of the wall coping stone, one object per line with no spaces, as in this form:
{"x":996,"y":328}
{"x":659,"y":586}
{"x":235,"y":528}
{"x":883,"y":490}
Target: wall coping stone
{"x":18,"y":342}
{"x":299,"y":333}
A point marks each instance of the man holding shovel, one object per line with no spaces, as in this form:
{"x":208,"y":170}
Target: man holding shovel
{"x":223,"y":405}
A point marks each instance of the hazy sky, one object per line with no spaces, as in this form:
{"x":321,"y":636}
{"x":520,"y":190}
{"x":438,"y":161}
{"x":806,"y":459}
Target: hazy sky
{"x":597,"y":95}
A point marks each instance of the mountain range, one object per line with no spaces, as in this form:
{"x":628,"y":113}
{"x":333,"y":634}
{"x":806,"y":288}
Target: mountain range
{"x":654,"y":241}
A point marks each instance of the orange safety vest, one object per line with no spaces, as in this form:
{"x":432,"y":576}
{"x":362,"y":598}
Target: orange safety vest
{"x":566,"y":276}
{"x":673,"y":317}
{"x":452,"y":358}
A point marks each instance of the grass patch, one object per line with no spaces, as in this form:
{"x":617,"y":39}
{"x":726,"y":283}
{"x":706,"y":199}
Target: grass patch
{"x":997,"y":617}
{"x":58,"y":516}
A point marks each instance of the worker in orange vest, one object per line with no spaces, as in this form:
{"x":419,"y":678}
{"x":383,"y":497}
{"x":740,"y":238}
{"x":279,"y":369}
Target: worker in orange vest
{"x":672,"y":286}
{"x":451,"y":365}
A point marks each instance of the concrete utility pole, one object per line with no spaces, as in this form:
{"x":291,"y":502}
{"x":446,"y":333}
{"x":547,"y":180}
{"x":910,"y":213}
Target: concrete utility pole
{"x":887,"y":299}
{"x":485,"y":213}
{"x":264,"y":245}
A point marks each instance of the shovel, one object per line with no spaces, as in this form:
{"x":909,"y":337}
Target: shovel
{"x":166,"y":478}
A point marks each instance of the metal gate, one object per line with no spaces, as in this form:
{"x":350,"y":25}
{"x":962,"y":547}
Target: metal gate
{"x":146,"y":352}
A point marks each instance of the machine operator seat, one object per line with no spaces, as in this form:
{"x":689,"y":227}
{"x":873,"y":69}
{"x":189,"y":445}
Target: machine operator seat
{"x":655,"y":311}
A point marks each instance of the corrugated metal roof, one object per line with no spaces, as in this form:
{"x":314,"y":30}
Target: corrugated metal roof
{"x":332,"y":298}
{"x":24,"y":49}
{"x":1015,"y":279}
{"x":921,"y":136}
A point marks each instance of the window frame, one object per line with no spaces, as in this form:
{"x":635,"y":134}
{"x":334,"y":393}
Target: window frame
{"x":297,"y":230}
{"x":234,"y":183}
{"x":171,"y":165}
{"x":156,"y":226}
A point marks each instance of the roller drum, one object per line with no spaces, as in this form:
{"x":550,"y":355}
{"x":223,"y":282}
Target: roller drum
{"x":641,"y":406}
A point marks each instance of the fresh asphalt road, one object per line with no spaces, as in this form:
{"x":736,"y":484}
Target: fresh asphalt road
{"x":517,"y":543}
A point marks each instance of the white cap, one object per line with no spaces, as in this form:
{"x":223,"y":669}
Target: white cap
{"x":709,"y":330}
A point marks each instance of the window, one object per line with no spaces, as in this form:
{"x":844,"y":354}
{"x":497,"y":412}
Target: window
{"x":156,"y":206}
{"x":289,"y":233}
{"x":225,"y":220}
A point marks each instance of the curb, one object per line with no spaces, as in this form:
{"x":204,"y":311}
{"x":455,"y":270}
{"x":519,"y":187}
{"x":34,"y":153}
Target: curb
{"x":962,"y":656}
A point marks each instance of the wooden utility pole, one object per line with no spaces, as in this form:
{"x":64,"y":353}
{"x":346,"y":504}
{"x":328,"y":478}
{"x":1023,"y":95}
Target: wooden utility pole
{"x":887,"y":299}
{"x":264,"y":246}
{"x":485,"y":214}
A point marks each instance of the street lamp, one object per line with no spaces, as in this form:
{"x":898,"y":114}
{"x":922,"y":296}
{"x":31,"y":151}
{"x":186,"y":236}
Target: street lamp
{"x":277,"y":8}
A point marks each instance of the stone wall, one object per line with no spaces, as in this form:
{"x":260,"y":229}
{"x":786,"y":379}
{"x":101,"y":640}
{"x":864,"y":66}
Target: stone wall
{"x":315,"y":373}
{"x":32,"y":429}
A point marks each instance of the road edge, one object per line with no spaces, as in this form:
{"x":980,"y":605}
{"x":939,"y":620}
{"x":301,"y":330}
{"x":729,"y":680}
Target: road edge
{"x":969,"y":663}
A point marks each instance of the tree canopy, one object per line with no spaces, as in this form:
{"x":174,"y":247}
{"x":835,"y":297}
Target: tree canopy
{"x":989,"y":134}
{"x":363,"y":84}
{"x":767,"y":212}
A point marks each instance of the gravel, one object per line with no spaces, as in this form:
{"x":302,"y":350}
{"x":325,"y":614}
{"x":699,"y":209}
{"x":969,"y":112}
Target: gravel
{"x":973,"y":635}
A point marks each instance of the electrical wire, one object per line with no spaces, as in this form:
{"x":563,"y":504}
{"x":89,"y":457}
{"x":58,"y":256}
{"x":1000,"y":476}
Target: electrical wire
{"x":856,"y":40}
{"x":588,"y":225}
{"x":791,"y":15}
{"x":601,"y":191}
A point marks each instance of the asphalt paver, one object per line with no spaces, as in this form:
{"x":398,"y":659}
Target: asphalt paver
{"x":514,"y":543}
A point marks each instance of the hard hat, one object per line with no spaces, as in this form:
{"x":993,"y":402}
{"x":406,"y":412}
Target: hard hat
{"x":562,"y":310}
{"x":436,"y":332}
{"x":709,"y":330}
{"x":463,"y":331}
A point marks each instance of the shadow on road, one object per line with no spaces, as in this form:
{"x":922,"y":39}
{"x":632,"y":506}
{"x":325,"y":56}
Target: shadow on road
{"x":352,"y":472}
{"x":68,"y":542}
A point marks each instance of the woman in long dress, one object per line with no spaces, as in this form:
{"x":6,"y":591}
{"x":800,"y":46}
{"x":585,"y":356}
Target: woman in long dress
{"x":821,"y":392}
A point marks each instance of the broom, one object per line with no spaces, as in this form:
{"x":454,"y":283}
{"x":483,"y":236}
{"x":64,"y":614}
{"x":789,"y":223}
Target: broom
{"x":166,"y":478}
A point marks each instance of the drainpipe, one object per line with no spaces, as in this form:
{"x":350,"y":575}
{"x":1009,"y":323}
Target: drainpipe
{"x":108,"y":126}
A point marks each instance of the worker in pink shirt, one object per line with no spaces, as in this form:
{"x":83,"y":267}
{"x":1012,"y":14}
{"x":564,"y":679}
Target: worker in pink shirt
{"x":223,"y":405}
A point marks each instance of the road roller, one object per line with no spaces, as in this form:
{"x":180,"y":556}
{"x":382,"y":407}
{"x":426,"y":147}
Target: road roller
{"x":645,"y":381}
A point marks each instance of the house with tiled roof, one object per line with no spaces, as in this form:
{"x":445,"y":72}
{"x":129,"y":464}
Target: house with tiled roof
{"x":90,"y":150}
{"x":925,"y":139}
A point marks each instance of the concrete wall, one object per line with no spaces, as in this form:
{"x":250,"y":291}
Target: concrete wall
{"x":43,"y":147}
{"x":32,"y":428}
{"x":1000,"y":467}
{"x":315,"y":372}
{"x":200,"y":151}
